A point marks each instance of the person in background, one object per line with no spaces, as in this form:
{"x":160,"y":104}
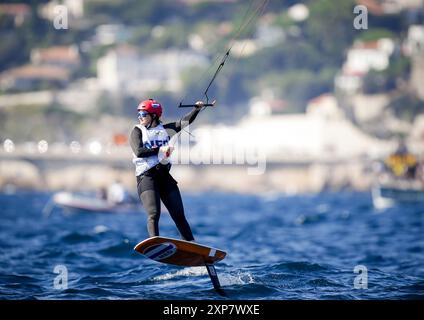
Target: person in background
{"x":402,"y":163}
{"x":116,"y":193}
{"x":102,"y":193}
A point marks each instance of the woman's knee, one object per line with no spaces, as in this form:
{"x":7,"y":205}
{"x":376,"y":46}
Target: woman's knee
{"x":153,"y":216}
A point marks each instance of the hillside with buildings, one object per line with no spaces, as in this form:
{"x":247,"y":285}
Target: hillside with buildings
{"x":322,"y":90}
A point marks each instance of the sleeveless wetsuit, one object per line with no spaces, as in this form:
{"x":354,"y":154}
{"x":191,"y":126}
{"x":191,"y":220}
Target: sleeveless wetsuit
{"x":154,"y":182}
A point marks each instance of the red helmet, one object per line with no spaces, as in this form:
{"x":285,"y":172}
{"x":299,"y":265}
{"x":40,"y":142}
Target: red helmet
{"x":150,"y":106}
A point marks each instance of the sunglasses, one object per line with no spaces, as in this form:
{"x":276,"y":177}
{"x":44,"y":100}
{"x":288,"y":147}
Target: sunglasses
{"x":142,"y":114}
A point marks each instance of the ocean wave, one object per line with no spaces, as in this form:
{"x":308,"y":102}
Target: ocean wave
{"x":270,"y":256}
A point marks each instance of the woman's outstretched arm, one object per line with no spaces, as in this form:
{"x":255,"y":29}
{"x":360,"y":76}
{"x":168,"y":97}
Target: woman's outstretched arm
{"x":175,"y":127}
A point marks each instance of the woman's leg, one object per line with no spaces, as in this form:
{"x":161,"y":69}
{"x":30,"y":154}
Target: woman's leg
{"x":151,"y":203}
{"x":150,"y":199}
{"x":171,"y":198}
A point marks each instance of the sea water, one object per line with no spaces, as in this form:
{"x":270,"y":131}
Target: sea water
{"x":312,"y":246}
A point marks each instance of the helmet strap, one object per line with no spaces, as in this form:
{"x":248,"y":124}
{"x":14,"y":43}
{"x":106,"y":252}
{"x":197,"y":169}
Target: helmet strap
{"x":154,"y":119}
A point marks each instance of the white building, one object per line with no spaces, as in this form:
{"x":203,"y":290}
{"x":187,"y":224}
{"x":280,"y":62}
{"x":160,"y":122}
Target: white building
{"x":365,"y":56}
{"x":298,"y":12}
{"x":290,"y":137}
{"x":360,"y":59}
{"x":369,"y":107}
{"x":322,"y":134}
{"x":396,"y":6}
{"x":349,"y":82}
{"x":125,"y":69}
{"x":117,"y":68}
{"x":415,"y":47}
{"x":415,"y":41}
{"x":324,"y":106}
{"x":417,"y":133}
{"x":266,"y":105}
{"x":67,"y":57}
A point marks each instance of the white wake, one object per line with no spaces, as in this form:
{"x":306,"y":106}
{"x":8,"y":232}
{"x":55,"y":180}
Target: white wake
{"x":186,"y":272}
{"x":228,"y":279}
{"x":225,"y":279}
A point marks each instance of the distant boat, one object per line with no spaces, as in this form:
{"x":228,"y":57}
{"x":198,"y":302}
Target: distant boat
{"x":72,"y":202}
{"x":397,"y":192}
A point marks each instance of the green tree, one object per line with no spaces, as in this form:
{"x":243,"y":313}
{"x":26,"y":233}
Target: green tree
{"x":330,"y":28}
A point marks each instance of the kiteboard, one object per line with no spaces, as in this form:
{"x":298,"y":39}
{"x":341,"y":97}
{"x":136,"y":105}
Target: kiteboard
{"x":183,"y":253}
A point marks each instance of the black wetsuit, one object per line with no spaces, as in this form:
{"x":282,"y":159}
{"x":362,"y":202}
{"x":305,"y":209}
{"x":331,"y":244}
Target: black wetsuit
{"x":157,"y":183}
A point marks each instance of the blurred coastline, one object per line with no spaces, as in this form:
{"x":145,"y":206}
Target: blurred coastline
{"x":281,"y":178}
{"x":302,"y":109}
{"x":314,"y":152}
